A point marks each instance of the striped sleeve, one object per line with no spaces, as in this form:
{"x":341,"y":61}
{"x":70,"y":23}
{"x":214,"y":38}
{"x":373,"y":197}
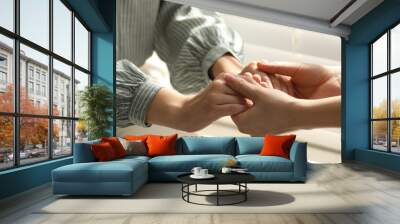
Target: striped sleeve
{"x":134,"y":94}
{"x":190,"y":40}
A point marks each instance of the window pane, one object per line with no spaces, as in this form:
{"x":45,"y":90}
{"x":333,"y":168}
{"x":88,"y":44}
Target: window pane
{"x":62,"y":29}
{"x":395,"y":94}
{"x":81,"y":131}
{"x":34,"y":17}
{"x":62,"y":89}
{"x":7,"y":14}
{"x":379,"y":97}
{"x":379,"y":135}
{"x":6,"y":74}
{"x":395,"y":47}
{"x":81,"y":81}
{"x":62,"y":138}
{"x":33,"y":139}
{"x":379,"y":55}
{"x":34,"y":81}
{"x":6,"y":142}
{"x":395,"y":138}
{"x":81,"y":45}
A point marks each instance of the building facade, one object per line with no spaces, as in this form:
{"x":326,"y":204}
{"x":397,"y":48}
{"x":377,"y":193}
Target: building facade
{"x":34,"y":80}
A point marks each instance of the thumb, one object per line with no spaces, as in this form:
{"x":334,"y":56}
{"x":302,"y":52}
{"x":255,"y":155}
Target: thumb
{"x":241,"y":86}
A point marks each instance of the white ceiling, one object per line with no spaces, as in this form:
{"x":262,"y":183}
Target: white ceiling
{"x":320,"y":9}
{"x":314,"y":15}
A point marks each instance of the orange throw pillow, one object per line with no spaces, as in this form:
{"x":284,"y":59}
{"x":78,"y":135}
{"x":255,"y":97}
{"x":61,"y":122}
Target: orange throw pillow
{"x":136,"y":137}
{"x":116,"y":145}
{"x":161,"y":145}
{"x":277,"y":145}
{"x":103,"y":152}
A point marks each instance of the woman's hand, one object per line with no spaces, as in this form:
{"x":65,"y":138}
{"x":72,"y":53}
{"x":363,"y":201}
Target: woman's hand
{"x":191,"y":113}
{"x":272,"y":111}
{"x":215,"y":101}
{"x":304,"y":81}
{"x":275,"y":112}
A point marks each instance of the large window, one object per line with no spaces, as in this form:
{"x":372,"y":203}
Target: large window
{"x":44,"y":64}
{"x":385,"y":91}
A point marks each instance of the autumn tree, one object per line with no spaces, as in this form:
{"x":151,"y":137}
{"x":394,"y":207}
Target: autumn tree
{"x":380,"y":127}
{"x":6,"y":122}
{"x":33,"y":131}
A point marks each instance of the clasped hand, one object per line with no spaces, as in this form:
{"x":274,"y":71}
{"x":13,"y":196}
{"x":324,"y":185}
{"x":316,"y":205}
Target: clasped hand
{"x":285,"y":97}
{"x":264,"y":98}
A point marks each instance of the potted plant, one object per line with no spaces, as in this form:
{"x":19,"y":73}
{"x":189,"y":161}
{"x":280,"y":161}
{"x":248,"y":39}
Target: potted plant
{"x":96,"y":104}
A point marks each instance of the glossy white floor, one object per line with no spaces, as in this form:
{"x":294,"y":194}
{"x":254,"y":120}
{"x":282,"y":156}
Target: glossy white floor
{"x":378,"y":189}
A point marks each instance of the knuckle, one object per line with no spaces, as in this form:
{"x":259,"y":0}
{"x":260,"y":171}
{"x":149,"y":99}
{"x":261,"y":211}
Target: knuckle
{"x":253,"y":65}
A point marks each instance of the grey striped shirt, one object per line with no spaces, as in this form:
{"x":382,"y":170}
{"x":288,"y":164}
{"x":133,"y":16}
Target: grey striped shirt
{"x":187,"y":39}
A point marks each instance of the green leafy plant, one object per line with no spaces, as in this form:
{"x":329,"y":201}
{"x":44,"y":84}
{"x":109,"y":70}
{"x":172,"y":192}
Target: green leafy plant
{"x":96,"y":104}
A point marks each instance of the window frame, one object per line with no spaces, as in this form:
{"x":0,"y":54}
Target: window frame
{"x":16,"y":115}
{"x":388,"y":74}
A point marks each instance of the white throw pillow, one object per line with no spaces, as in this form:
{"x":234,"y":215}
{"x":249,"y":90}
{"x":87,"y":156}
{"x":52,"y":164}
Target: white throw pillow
{"x":134,"y":147}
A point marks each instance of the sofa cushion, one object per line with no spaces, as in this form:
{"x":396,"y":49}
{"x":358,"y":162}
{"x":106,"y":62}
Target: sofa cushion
{"x":275,"y":145}
{"x":116,"y":145}
{"x":131,"y":158}
{"x":134,"y":147}
{"x":83,"y":152}
{"x":257,"y":163}
{"x":249,"y":145}
{"x":103,"y":152}
{"x":193,"y":145}
{"x":159,"y":145}
{"x":185,"y":163}
{"x":112,"y":171}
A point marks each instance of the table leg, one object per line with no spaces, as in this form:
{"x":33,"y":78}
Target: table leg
{"x":182,"y":188}
{"x":217,"y":194}
{"x":188,"y":189}
{"x":245,"y":193}
{"x":196,"y":187}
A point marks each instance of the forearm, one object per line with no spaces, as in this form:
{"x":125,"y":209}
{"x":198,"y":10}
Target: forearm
{"x":226,"y":63}
{"x":166,"y":107}
{"x":194,"y":112}
{"x":318,"y":113}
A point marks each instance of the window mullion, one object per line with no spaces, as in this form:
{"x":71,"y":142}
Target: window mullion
{"x":371,"y":140}
{"x":73,"y":82}
{"x":50,"y":81}
{"x":389,"y":106}
{"x":16,"y":84}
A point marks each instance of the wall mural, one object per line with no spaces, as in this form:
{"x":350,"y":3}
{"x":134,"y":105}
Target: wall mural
{"x":178,"y":67}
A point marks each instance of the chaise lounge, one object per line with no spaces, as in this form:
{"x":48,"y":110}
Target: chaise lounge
{"x":125,"y":176}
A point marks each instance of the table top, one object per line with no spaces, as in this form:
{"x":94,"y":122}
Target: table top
{"x":220,"y":178}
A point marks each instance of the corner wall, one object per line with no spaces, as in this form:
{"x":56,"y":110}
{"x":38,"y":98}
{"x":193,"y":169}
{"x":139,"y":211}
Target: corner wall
{"x":355,"y":85}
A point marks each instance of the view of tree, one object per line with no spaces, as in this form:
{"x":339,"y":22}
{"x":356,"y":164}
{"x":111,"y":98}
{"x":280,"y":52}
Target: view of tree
{"x":380,"y":128}
{"x":34,"y":131}
{"x":81,"y":130}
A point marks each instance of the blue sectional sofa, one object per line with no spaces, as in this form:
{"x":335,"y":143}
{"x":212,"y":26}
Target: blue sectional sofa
{"x":125,"y":176}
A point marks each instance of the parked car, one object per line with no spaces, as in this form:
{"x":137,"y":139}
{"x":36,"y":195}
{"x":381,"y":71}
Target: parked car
{"x":10,"y":157}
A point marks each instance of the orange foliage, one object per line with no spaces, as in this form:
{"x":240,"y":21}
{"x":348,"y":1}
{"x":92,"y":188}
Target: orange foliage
{"x":33,"y":130}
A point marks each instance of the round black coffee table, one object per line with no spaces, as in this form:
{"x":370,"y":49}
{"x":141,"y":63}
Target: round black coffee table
{"x":238,"y":179}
